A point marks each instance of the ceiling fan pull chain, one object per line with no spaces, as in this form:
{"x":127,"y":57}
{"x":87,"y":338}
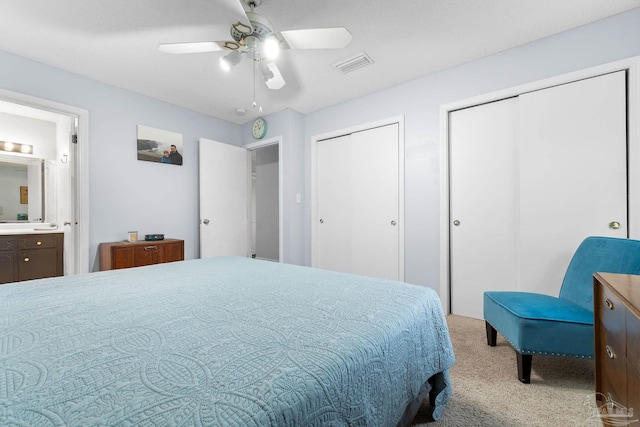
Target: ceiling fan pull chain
{"x":254,"y":85}
{"x":255,"y":103}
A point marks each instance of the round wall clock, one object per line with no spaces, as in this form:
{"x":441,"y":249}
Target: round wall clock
{"x":259,"y":128}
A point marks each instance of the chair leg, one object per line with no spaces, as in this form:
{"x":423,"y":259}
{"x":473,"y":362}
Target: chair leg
{"x":524,"y":367}
{"x":491,"y":334}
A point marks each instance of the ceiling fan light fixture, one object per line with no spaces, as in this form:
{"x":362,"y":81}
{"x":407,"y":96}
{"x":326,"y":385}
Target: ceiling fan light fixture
{"x":271,"y":47}
{"x":230,"y":60}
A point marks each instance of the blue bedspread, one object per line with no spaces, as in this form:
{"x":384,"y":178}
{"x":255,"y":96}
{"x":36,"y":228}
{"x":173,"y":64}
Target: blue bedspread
{"x":217,"y":342}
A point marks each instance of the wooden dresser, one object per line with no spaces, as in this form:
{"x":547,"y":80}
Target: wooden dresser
{"x":617,"y":338}
{"x":116,"y":255}
{"x":31,"y":256}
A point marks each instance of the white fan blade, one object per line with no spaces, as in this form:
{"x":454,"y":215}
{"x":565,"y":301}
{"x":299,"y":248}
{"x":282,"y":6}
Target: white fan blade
{"x":320,"y":38}
{"x":277,"y":81}
{"x":190,"y":47}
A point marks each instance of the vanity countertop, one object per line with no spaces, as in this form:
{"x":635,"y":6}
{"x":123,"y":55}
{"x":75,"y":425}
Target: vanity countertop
{"x":29,"y":228}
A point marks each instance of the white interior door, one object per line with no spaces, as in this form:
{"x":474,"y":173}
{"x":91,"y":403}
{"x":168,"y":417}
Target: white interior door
{"x":67,"y":196}
{"x":484,"y":199}
{"x":358,"y":203}
{"x":573,"y":175}
{"x":224,"y":190}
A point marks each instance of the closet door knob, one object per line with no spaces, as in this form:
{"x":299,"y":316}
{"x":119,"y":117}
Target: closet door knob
{"x":393,"y":223}
{"x":456,"y":223}
{"x":27,"y":259}
{"x":614,"y":225}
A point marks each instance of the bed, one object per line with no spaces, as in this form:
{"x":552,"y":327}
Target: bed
{"x":226,"y":341}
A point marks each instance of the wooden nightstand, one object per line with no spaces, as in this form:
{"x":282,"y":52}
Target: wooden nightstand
{"x":115,"y":255}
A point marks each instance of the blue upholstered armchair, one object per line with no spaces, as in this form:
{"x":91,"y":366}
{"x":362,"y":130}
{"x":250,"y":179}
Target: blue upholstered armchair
{"x":563,"y":326}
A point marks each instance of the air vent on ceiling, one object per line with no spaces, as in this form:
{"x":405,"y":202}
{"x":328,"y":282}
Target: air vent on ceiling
{"x":354,"y":63}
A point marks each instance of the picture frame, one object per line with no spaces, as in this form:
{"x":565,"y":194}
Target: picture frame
{"x":159,"y":145}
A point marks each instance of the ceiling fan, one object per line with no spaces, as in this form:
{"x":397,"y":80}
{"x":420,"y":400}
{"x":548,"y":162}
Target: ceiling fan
{"x":259,"y":42}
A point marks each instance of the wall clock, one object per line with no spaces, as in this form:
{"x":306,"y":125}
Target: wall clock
{"x":259,"y":128}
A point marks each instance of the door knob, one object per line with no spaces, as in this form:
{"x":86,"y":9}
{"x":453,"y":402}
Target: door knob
{"x":393,"y":223}
{"x":205,"y":222}
{"x":321,"y":221}
{"x":614,"y":225}
{"x":456,"y":223}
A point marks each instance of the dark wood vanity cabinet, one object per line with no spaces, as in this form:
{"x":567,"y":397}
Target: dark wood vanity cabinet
{"x":117,"y":255}
{"x":31,"y":256}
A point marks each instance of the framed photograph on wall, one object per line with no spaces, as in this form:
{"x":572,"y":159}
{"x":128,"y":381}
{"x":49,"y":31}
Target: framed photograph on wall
{"x":160,"y":146}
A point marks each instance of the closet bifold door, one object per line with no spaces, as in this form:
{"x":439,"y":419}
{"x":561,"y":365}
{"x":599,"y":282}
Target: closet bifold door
{"x":530,"y":178}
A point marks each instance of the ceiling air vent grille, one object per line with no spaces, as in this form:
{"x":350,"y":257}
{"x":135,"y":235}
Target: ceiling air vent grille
{"x":354,"y":63}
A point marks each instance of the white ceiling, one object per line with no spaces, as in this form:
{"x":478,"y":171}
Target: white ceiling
{"x":116,"y":42}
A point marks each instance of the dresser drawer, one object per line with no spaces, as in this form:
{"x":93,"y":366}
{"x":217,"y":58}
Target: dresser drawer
{"x":612,"y":313}
{"x":38,"y":241}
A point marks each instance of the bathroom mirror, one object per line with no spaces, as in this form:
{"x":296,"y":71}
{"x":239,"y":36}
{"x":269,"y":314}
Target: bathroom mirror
{"x":21,"y":189}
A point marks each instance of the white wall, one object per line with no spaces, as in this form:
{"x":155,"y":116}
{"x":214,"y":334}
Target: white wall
{"x":419,"y":101}
{"x":124,"y":193}
{"x":25,"y":130}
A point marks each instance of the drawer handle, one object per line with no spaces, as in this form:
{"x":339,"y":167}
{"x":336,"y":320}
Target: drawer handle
{"x":27,"y":259}
{"x":38,"y":243}
{"x":610,"y":353}
{"x":150,"y":248}
{"x":609,"y":304}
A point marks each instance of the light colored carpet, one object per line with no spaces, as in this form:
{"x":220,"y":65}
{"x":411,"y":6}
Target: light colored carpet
{"x":486,"y":391}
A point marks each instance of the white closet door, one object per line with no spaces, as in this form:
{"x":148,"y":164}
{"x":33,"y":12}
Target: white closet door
{"x":484,"y":199}
{"x":530,"y":178}
{"x":573,"y":175}
{"x":334,"y":204}
{"x":224,"y":190}
{"x":358,"y":203}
